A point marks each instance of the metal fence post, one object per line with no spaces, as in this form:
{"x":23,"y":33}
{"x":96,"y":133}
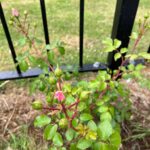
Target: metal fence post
{"x":9,"y":40}
{"x":122,"y":27}
{"x":81,"y":32}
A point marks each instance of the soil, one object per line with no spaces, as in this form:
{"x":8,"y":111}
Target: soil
{"x":15,"y":104}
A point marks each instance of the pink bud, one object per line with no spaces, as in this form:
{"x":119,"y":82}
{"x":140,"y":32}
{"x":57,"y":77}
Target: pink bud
{"x":59,"y":96}
{"x":15,"y":12}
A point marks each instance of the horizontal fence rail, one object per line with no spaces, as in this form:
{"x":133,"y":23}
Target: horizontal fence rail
{"x":123,"y":22}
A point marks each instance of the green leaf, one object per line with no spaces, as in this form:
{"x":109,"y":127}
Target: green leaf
{"x":22,"y":41}
{"x":41,"y":121}
{"x":139,"y":67}
{"x":73,"y":146}
{"x":102,"y":109}
{"x":131,"y":56}
{"x":23,"y":65}
{"x":48,"y":47}
{"x":101,"y":146}
{"x":84,"y":144}
{"x":117,"y":43}
{"x":50,"y":131}
{"x":47,"y":133}
{"x":61,"y":50}
{"x":134,"y":35}
{"x":85,"y":117}
{"x":123,"y":50}
{"x":103,"y":86}
{"x":107,"y":41}
{"x":145,"y":55}
{"x":75,"y":122}
{"x":51,"y":57}
{"x":81,"y":106}
{"x":117,"y":56}
{"x":92,"y":125}
{"x":57,"y":140}
{"x":105,"y":130}
{"x":109,"y":49}
{"x":131,"y":67}
{"x":115,"y":139}
{"x":69,"y":100}
{"x":53,"y":148}
{"x":105,"y":116}
{"x":32,"y":59}
{"x":70,"y":134}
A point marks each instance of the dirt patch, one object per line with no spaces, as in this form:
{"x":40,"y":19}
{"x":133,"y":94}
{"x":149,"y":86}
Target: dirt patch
{"x":16,"y":108}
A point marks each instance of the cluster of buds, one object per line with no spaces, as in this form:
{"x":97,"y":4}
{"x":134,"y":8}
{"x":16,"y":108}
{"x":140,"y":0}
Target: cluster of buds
{"x":16,"y":14}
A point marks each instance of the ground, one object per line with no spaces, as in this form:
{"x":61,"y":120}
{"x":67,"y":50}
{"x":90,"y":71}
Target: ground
{"x":16,"y":116}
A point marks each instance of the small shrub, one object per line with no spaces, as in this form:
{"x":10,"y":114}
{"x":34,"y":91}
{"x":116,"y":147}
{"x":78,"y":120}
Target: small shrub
{"x":84,"y":114}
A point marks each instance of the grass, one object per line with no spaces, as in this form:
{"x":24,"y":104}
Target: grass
{"x":63,"y":20}
{"x":22,"y":141}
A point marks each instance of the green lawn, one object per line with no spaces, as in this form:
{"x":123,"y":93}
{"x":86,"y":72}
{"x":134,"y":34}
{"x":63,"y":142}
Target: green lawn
{"x":63,"y":20}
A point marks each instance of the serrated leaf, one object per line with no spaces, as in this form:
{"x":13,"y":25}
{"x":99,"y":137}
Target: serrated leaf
{"x":123,"y":50}
{"x":84,"y":144}
{"x":105,"y":130}
{"x":103,"y":86}
{"x":52,"y":148}
{"x":145,"y":55}
{"x":82,"y":106}
{"x":47,"y":133}
{"x":51,"y":132}
{"x":92,"y":125}
{"x":92,"y":135}
{"x":117,"y":56}
{"x":134,"y":35}
{"x":73,"y":146}
{"x":70,"y":99}
{"x":85,"y":117}
{"x":105,"y":116}
{"x":133,"y":56}
{"x":70,"y":134}
{"x":41,"y":121}
{"x":108,"y":49}
{"x":117,"y":43}
{"x":51,"y":57}
{"x":101,"y":146}
{"x":102,"y":109}
{"x":24,"y":65}
{"x":115,"y":139}
{"x":57,"y":140}
{"x":139,"y":67}
{"x":32,"y":59}
{"x":61,"y":50}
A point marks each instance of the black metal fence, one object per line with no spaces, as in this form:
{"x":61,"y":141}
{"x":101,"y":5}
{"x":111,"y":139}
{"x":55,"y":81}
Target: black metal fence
{"x":123,"y":22}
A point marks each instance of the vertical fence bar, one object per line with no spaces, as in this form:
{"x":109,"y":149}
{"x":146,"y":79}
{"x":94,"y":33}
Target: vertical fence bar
{"x":44,"y":18}
{"x":122,"y":27}
{"x":149,"y":49}
{"x":81,"y":32}
{"x":9,"y":40}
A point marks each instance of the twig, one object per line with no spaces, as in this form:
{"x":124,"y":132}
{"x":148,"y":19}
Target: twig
{"x":4,"y":83}
{"x":6,"y":125}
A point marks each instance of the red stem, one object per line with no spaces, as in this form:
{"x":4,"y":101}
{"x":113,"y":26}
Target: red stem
{"x":51,"y":108}
{"x":74,"y":104}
